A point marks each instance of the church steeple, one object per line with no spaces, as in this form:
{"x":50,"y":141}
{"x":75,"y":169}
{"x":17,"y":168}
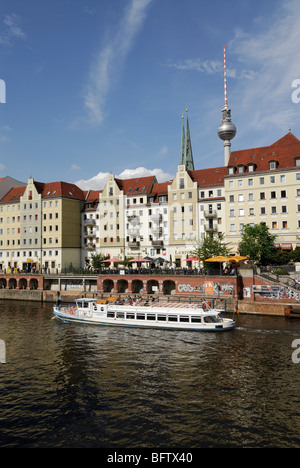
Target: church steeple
{"x":186,"y":146}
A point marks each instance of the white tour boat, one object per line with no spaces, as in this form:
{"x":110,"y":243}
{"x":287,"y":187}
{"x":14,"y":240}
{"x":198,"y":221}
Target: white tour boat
{"x":166,"y":315}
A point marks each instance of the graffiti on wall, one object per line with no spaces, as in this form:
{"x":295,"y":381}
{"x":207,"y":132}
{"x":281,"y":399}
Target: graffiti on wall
{"x":207,"y":287}
{"x":276,"y":292}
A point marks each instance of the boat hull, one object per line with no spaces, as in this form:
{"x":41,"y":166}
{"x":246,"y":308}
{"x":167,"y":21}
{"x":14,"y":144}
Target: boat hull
{"x":154,"y":323}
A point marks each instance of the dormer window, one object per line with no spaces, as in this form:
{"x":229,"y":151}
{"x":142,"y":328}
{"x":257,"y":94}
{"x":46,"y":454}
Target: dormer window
{"x":273,"y":165}
{"x":241,"y":169}
{"x":297,"y":161}
{"x":250,"y":167}
{"x":231,"y":170}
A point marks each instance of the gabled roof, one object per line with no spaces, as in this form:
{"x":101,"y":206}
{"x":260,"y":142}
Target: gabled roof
{"x":209,"y":177}
{"x":59,"y":189}
{"x":13,"y":195}
{"x":283,"y":151}
{"x":136,"y":186}
{"x":91,"y":195}
{"x":159,"y":189}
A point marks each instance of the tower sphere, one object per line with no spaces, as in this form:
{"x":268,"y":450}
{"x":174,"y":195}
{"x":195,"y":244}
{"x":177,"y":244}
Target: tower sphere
{"x":227,"y":130}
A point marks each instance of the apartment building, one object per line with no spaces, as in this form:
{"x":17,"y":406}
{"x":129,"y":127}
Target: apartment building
{"x":90,"y":227}
{"x":263,"y":185}
{"x":41,"y":227}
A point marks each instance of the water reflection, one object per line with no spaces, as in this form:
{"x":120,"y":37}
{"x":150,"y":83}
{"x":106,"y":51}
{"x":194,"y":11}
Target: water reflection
{"x":71,"y":385}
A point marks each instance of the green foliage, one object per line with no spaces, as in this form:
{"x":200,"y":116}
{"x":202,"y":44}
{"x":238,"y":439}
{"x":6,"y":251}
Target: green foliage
{"x":280,"y":271}
{"x":210,"y":246}
{"x":257,"y":243}
{"x":97,"y":260}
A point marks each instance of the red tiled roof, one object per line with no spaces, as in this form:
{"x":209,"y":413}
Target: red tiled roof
{"x":209,"y":177}
{"x":136,"y":186}
{"x":59,"y":189}
{"x":13,"y":195}
{"x":160,"y":189}
{"x":91,"y":195}
{"x":283,"y":151}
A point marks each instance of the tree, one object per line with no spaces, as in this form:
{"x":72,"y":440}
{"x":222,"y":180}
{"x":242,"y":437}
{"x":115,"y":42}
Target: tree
{"x":97,"y":259}
{"x":257,"y":243}
{"x":210,"y":246}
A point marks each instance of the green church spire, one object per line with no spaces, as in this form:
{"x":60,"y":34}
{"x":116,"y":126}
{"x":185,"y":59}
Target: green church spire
{"x":186,"y":147}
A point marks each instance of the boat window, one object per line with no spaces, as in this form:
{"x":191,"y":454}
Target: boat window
{"x":110,"y":314}
{"x":85,"y":304}
{"x":172,"y":318}
{"x":120,"y":315}
{"x":140,"y":316}
{"x":150,"y":316}
{"x":161,"y":317}
{"x":184,"y":318}
{"x":196,"y":319}
{"x":212,"y":318}
{"x":130,"y":315}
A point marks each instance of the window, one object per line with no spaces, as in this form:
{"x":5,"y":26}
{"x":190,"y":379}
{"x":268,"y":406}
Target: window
{"x":261,"y":180}
{"x":232,"y":227}
{"x":274,"y":224}
{"x":250,"y":196}
{"x":241,"y":197}
{"x":272,"y":165}
{"x":284,"y":224}
{"x":273,"y":195}
{"x":284,"y":209}
{"x":283,"y":194}
{"x":273,"y":209}
{"x":272,"y":179}
{"x":282,"y":179}
{"x":250,"y":182}
{"x":262,"y":210}
{"x":262,"y":196}
{"x":241,"y":212}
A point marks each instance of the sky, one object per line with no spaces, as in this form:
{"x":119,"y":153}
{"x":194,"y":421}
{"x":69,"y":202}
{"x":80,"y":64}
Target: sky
{"x":94,"y":87}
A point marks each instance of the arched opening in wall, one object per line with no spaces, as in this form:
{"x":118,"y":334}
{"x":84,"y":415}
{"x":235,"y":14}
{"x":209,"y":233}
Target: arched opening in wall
{"x":23,"y":283}
{"x":33,"y":283}
{"x":122,"y":286}
{"x":2,"y":283}
{"x":152,"y":287}
{"x":12,"y":283}
{"x":137,"y":287}
{"x":169,"y":287}
{"x":108,"y":285}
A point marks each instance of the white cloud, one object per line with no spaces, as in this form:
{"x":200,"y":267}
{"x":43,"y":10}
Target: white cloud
{"x":273,"y":57}
{"x":75,"y":167}
{"x":11,"y":30}
{"x":108,"y":62}
{"x":98,"y":182}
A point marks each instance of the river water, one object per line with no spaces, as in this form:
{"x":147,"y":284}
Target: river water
{"x":72,"y":385}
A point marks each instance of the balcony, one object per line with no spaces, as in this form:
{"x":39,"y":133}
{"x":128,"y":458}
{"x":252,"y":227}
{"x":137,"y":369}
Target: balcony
{"x":210,"y":214}
{"x":134,"y":244}
{"x":157,"y":243}
{"x":156,"y":217}
{"x":89,"y":222}
{"x":90,"y":246}
{"x":133,"y":218}
{"x":210,"y":227}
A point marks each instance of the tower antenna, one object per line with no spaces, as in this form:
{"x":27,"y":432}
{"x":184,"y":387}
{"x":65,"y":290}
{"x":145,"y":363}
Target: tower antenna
{"x":225,"y":80}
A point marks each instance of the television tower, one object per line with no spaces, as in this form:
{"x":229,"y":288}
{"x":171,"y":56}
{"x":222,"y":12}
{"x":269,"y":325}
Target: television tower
{"x":227,"y":129}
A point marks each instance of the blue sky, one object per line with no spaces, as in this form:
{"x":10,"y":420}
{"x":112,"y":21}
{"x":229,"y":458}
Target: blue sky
{"x":99,"y":86}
